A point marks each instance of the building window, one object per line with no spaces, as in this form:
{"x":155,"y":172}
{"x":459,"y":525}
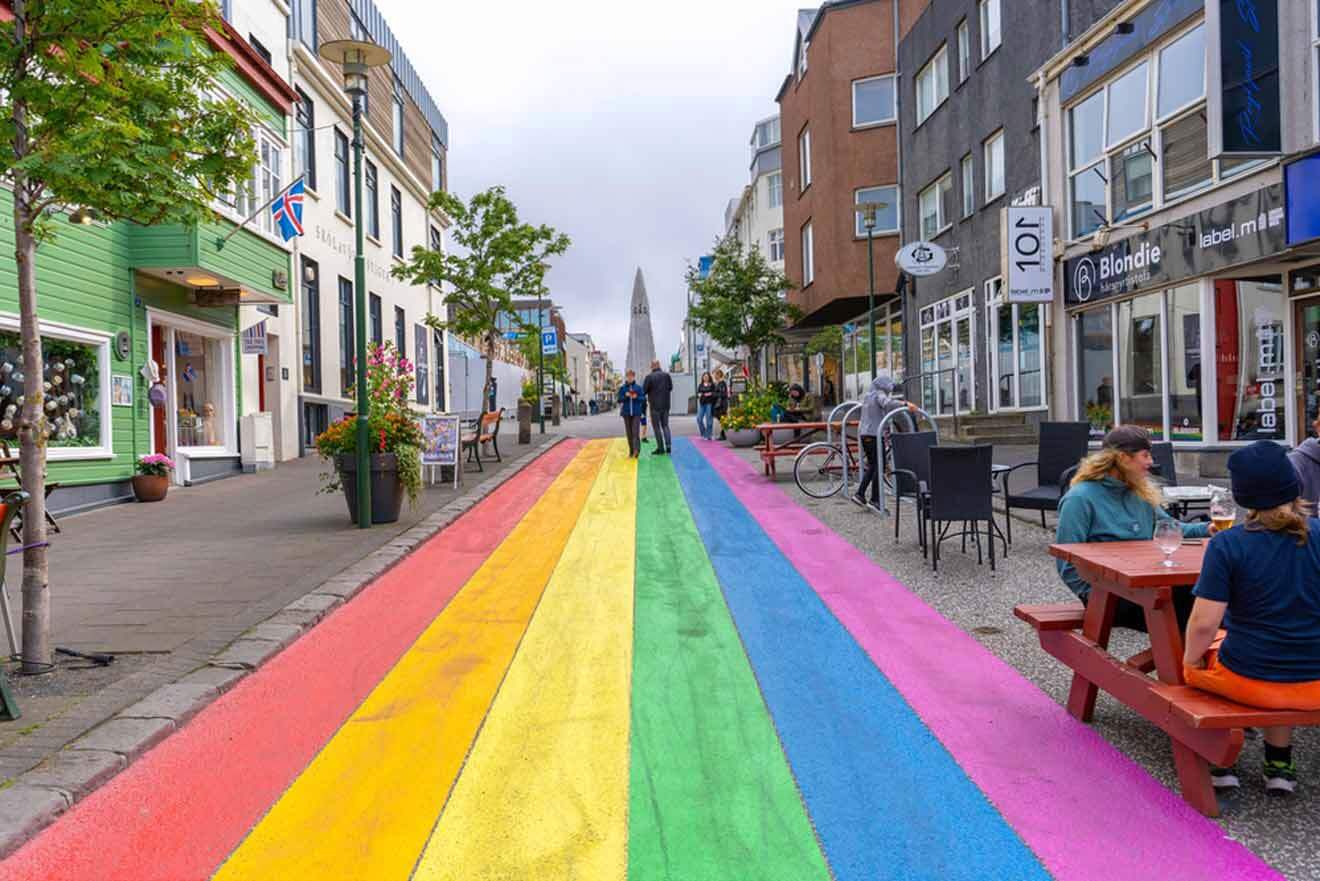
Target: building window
{"x":423,"y":368}
{"x":1017,"y":351}
{"x":802,"y":59}
{"x":776,"y":243}
{"x":1249,"y":355}
{"x":304,"y":22}
{"x":270,"y":164}
{"x":304,"y":139}
{"x":873,"y":100}
{"x":438,"y":347}
{"x":258,"y":47}
{"x":400,"y":331}
{"x":1138,"y":143}
{"x":373,"y":199}
{"x":437,"y":165}
{"x":775,"y":184}
{"x":968,"y":187}
{"x":311,"y":332}
{"x":377,"y":332}
{"x":932,"y":203}
{"x":886,"y":218}
{"x":994,"y":167}
{"x":765,"y":135}
{"x":932,"y":85}
{"x":396,"y":221}
{"x":990,"y":30}
{"x":347,"y":348}
{"x":964,"y":51}
{"x":398,"y":117}
{"x":947,"y":346}
{"x":77,"y":382}
{"x":343,"y":201}
{"x":437,"y":243}
{"x":804,"y":158}
{"x":316,"y":419}
{"x":808,"y":255}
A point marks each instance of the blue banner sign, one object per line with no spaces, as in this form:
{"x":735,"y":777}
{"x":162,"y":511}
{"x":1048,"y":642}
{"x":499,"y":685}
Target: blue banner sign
{"x":1250,"y":120}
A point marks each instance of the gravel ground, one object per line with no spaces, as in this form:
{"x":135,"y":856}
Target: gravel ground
{"x":1282,"y":831}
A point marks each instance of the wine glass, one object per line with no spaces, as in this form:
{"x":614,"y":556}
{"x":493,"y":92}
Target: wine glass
{"x":1168,"y":536}
{"x":1223,"y":510}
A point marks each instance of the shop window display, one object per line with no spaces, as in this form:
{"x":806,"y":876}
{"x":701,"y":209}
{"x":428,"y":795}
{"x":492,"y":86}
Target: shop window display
{"x":1185,"y":388}
{"x":72,"y":383}
{"x":1095,"y":346}
{"x":199,"y":389}
{"x":1141,"y":400}
{"x":1249,"y":353}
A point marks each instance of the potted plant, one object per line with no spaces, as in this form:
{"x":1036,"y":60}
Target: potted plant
{"x":755,"y":407}
{"x":152,"y":480}
{"x":394,"y":435}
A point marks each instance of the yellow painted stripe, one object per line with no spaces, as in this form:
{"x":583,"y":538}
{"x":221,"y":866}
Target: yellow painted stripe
{"x":365,"y":806}
{"x":544,"y":794}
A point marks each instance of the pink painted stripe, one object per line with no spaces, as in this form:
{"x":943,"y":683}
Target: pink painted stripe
{"x":1084,"y":808}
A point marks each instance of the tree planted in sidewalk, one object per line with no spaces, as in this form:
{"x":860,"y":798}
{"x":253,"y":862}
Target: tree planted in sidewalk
{"x":740,"y":303}
{"x":109,"y":107}
{"x":498,"y":258}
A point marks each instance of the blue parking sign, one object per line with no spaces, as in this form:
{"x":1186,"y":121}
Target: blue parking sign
{"x":550,"y":342}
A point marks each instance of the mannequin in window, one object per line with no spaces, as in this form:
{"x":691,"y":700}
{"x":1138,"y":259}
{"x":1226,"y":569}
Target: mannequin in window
{"x":208,"y":424}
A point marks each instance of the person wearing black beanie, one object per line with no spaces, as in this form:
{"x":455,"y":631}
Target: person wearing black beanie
{"x":1265,"y":574}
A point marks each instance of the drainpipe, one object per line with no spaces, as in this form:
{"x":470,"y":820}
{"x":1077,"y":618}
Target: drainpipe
{"x":132,"y":344}
{"x":898,"y":151}
{"x":1065,"y":22}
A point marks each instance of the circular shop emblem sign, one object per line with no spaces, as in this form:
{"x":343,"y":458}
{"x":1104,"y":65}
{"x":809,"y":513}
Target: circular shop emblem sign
{"x":921,"y":259}
{"x":1313,"y":340}
{"x":1084,"y":280}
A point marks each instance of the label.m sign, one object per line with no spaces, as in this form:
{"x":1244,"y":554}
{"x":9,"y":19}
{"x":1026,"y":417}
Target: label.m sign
{"x":1242,"y":96}
{"x":1028,"y":253}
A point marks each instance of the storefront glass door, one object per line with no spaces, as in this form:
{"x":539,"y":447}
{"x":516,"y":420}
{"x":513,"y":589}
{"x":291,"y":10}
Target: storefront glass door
{"x":948,"y":346}
{"x":1017,"y":352}
{"x":1307,"y":322}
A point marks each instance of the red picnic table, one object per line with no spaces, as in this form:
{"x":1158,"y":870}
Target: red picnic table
{"x":1203,"y":728}
{"x":800,"y":434}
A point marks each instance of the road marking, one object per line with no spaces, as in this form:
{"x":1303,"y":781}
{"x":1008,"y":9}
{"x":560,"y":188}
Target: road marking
{"x":364,"y":807}
{"x":544,"y":793}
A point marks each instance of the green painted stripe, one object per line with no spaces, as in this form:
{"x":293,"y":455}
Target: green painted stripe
{"x":711,"y":794}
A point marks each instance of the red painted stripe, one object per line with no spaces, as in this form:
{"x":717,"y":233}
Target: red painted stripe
{"x":180,"y":811}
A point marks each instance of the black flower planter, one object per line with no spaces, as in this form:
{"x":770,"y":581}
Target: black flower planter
{"x":386,"y":486}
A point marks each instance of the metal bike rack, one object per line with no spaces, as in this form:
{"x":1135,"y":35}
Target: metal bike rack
{"x":843,"y":436}
{"x":879,"y":448}
{"x":829,"y":423}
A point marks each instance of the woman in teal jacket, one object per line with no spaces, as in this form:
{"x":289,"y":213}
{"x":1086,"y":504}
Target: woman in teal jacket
{"x":1113,"y":499}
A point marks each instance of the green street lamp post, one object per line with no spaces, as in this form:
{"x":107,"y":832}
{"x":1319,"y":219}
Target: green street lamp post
{"x":868,"y":211}
{"x":356,"y":57}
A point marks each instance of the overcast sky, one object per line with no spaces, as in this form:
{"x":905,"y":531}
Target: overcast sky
{"x":623,"y":124}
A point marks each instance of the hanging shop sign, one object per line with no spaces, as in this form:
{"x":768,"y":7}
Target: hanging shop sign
{"x":921,"y":259}
{"x":1027,"y":236}
{"x":1301,"y":182}
{"x":254,"y":339}
{"x":1243,"y":107}
{"x":1240,"y":231}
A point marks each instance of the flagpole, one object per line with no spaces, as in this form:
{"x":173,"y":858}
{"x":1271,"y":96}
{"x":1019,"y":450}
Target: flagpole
{"x":220,"y":242}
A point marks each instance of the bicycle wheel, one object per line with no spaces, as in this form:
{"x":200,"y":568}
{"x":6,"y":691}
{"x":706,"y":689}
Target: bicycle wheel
{"x":818,"y":470}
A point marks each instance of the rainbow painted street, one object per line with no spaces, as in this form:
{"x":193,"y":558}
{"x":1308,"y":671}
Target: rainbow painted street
{"x":612,"y":669}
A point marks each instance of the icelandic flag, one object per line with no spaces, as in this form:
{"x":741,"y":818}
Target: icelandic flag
{"x":287,"y":211}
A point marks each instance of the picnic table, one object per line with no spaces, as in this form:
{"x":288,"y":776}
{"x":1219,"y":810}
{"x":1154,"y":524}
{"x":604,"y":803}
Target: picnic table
{"x":802,"y":433}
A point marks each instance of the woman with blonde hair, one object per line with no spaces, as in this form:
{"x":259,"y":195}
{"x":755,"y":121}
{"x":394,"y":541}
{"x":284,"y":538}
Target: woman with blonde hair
{"x":1265,"y":574}
{"x":1112,"y":498}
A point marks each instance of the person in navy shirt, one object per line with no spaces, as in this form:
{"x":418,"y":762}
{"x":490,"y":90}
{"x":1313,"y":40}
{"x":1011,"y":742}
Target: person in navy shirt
{"x":1261,"y":581}
{"x":632,"y":404}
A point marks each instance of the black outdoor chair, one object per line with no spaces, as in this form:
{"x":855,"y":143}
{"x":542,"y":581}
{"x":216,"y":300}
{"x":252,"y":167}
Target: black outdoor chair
{"x":911,"y":472}
{"x":1062,"y":445}
{"x":960,"y":491}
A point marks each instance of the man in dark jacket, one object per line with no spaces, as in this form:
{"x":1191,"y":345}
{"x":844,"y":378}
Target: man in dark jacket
{"x":632,"y":403}
{"x":1306,"y":459}
{"x":657,"y":388}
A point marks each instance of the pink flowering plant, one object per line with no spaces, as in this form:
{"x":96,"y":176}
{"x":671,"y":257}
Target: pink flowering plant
{"x":392,"y":425}
{"x":155,"y":465}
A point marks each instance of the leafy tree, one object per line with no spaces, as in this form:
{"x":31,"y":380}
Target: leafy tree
{"x":501,"y":258}
{"x":107,"y":105}
{"x":741,"y":302}
{"x":827,"y":341}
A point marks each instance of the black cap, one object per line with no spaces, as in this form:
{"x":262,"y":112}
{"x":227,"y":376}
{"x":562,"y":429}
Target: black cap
{"x":1263,"y":478}
{"x":1128,"y":439}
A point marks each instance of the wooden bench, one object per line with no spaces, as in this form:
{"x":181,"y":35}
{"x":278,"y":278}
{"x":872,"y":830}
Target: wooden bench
{"x":1201,"y":709}
{"x":1053,"y":616}
{"x":485,"y":433}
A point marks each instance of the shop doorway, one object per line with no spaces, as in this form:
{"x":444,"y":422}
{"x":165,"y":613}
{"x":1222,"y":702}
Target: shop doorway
{"x":271,"y":401}
{"x":1306,"y":319}
{"x":160,"y":440}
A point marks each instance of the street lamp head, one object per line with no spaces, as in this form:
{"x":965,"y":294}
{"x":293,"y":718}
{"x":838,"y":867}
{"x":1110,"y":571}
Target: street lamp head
{"x":356,"y":57}
{"x":868,"y":210}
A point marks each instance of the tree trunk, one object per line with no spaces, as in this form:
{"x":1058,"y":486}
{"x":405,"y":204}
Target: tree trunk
{"x":32,"y":444}
{"x":490,"y":372}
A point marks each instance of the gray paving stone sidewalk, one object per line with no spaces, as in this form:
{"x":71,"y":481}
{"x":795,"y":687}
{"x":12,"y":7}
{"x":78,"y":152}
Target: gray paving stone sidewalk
{"x":169,"y":587}
{"x":981,"y":602}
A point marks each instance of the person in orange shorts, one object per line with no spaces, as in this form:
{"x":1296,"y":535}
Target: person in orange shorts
{"x":1261,"y":581}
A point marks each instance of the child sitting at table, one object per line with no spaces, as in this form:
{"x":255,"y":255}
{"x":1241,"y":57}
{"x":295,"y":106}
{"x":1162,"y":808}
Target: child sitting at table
{"x":1265,"y":575}
{"x":1112,"y":499}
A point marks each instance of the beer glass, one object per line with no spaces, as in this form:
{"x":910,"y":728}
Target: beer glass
{"x":1223,"y":510}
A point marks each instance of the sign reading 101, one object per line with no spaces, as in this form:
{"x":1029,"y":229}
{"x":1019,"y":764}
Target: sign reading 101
{"x":1028,"y":254}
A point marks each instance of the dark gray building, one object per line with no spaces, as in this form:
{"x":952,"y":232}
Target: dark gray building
{"x":970,"y":145}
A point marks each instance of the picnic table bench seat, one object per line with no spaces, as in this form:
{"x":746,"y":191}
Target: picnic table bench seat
{"x":1201,"y":709}
{"x":1053,"y":616}
{"x":804,"y":434}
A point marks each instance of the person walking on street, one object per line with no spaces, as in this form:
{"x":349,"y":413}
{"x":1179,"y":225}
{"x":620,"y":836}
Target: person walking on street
{"x":722,"y":400}
{"x":707,"y":396}
{"x":632,"y":404}
{"x":1306,"y":460}
{"x":657,"y":388}
{"x":877,"y":403}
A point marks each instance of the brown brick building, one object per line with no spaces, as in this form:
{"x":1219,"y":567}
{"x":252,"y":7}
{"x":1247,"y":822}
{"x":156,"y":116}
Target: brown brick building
{"x":839,"y":111}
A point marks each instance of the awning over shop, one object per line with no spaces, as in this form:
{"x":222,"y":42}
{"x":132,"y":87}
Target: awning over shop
{"x":841,"y":310}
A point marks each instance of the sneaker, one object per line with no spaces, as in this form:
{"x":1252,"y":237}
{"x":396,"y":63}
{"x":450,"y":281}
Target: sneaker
{"x":858,"y":501}
{"x":1280,"y":778}
{"x":1224,"y":778}
{"x":875,"y":506}
{"x":657,"y":452}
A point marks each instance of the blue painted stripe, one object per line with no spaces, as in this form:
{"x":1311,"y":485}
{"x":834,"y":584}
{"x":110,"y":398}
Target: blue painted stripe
{"x":887,"y":799}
